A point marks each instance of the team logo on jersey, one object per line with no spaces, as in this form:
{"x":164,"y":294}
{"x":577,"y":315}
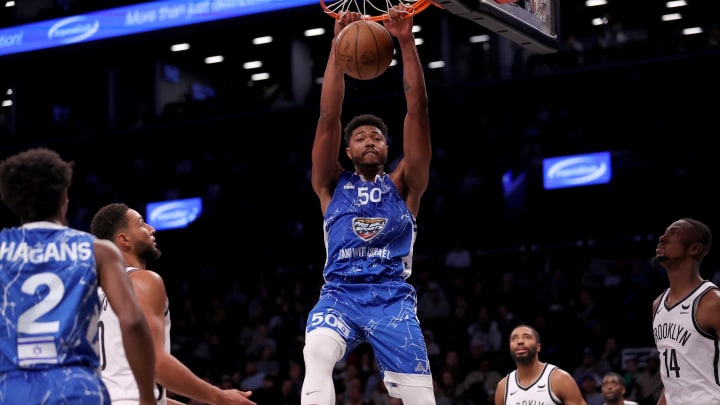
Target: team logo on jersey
{"x":368,"y":228}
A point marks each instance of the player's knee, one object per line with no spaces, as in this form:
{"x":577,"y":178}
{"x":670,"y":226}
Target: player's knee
{"x":321,"y":349}
{"x":416,"y":395}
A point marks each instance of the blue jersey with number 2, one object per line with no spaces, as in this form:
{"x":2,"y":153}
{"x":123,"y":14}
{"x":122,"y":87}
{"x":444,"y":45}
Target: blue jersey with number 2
{"x":48,"y":314}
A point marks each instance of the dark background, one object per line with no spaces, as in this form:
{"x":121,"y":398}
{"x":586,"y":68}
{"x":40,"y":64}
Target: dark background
{"x":634,"y":87}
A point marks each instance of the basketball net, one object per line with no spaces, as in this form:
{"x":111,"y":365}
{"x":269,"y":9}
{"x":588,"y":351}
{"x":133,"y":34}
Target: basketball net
{"x":374,"y":10}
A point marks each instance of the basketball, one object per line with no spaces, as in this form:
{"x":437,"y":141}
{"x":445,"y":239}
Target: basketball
{"x":364,"y":49}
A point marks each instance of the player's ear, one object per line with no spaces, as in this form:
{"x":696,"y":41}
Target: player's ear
{"x":347,"y":152}
{"x":122,"y":240}
{"x":539,"y":347}
{"x":696,"y":249}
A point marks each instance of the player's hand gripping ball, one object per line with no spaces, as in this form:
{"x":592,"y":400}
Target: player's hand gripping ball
{"x":364,"y":49}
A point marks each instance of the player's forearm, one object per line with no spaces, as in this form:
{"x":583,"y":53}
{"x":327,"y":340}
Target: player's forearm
{"x":176,"y":377}
{"x":333,"y":88}
{"x":141,"y":358}
{"x":413,"y":76}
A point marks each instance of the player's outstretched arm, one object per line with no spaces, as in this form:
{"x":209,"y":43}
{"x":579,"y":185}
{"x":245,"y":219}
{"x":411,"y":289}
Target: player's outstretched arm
{"x":328,"y":134}
{"x":412,"y":174}
{"x":566,"y":388}
{"x":169,"y":371}
{"x":136,"y":336}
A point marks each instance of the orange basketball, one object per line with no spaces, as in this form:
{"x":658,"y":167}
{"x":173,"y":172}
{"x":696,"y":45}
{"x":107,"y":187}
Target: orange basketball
{"x":364,"y":49}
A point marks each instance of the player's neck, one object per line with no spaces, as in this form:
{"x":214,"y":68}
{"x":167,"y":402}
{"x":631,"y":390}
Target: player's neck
{"x":134,"y":261}
{"x":529,"y":373}
{"x":369,"y":173}
{"x":682,"y":284}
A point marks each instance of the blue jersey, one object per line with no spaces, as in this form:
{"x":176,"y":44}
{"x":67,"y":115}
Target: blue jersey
{"x":49,"y":303}
{"x":369,"y":232}
{"x":369,"y":237}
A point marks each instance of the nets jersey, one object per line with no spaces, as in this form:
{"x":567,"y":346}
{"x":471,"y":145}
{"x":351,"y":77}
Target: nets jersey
{"x":115,"y":369}
{"x":369,"y":231}
{"x":537,"y":393}
{"x":689,"y":356}
{"x":49,"y":301}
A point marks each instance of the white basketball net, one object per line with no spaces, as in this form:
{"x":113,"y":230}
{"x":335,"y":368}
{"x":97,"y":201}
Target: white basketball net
{"x":371,"y":9}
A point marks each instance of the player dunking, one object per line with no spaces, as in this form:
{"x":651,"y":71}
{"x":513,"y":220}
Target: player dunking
{"x":686,"y":318}
{"x":370,"y":230}
{"x":50,"y":274}
{"x":136,"y":239}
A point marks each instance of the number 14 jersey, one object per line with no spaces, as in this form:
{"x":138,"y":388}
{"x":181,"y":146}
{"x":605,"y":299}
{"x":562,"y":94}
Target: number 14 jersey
{"x":689,"y":356}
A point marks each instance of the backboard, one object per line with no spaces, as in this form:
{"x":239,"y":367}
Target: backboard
{"x":533,"y":24}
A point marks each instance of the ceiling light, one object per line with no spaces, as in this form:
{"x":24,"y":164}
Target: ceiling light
{"x":595,"y":3}
{"x":180,"y":47}
{"x":260,"y":76}
{"x":214,"y":59}
{"x":675,"y":3}
{"x":479,"y":38}
{"x":262,"y":40}
{"x":252,"y":65}
{"x":314,"y":32}
{"x":672,"y":17}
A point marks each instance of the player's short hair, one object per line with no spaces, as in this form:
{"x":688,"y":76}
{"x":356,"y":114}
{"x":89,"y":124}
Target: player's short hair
{"x":32,"y":182}
{"x":364,"y":119}
{"x":533,"y":330}
{"x":704,"y":235}
{"x":616,"y":376}
{"x":109,"y":220}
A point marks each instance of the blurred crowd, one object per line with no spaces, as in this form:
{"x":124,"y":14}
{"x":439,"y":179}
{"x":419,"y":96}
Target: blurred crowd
{"x":245,"y":329}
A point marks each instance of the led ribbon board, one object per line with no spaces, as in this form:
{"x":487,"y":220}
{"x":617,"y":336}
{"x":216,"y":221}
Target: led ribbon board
{"x":577,"y":170}
{"x":129,"y":20}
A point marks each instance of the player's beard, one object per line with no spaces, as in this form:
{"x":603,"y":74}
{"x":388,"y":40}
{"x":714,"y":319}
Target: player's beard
{"x":377,"y":162}
{"x":526,"y":358}
{"x":658,"y":260}
{"x":149,"y":252}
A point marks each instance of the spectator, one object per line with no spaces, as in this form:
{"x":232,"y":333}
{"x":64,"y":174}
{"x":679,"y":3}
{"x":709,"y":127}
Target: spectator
{"x":459,"y":257}
{"x":649,"y":382}
{"x":478,"y":387}
{"x":486,"y":330}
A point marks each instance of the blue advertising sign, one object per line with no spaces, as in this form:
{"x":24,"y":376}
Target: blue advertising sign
{"x":127,"y":20}
{"x":173,"y":214}
{"x":577,"y":170}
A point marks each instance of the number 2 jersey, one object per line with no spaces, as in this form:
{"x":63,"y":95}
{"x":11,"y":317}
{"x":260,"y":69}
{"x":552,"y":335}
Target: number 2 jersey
{"x":115,"y":369}
{"x":49,"y":306}
{"x":689,"y":356}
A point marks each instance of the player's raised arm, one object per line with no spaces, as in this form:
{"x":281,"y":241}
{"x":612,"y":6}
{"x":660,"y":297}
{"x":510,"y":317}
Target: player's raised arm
{"x":413,"y":173}
{"x":328,"y":134}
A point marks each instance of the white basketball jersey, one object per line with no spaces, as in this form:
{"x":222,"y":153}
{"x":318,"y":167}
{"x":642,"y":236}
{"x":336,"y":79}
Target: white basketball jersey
{"x":114,"y":367}
{"x":537,"y":393}
{"x":689,"y":356}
